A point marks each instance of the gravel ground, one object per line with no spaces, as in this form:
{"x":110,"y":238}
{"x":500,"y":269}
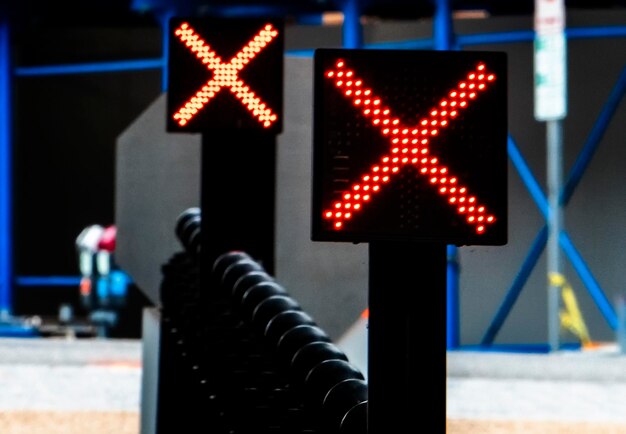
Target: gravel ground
{"x":94,"y":386}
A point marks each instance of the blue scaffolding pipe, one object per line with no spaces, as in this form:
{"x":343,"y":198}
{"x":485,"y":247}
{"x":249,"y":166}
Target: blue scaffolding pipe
{"x":415,"y":44}
{"x":566,"y":244}
{"x":6,"y":185}
{"x":497,"y":38}
{"x":527,"y":176}
{"x":511,"y":296}
{"x":596,"y":32}
{"x":352,"y":29}
{"x":581,"y":268}
{"x":590,"y":282}
{"x":443,"y":27}
{"x":453,"y":305}
{"x":89,"y":68}
{"x":164,"y":21}
{"x":516,"y":36}
{"x":535,"y":251}
{"x":47,"y":280}
{"x":582,"y":162}
{"x":596,"y":134}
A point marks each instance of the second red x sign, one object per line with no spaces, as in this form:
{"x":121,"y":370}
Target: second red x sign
{"x":410,"y":146}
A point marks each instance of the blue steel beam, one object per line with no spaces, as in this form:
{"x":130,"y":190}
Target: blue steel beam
{"x":443,"y":26}
{"x":164,"y":21}
{"x":352,"y":29}
{"x":6,"y":178}
{"x":590,"y":282}
{"x":48,"y":280}
{"x":582,"y":162}
{"x":89,"y":68}
{"x":594,"y":137}
{"x":595,"y":32}
{"x":527,"y":176}
{"x":504,"y":37}
{"x":511,"y":296}
{"x":415,"y":44}
{"x":535,"y":251}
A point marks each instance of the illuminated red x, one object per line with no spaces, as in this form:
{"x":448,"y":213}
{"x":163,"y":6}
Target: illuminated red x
{"x":225,"y":74}
{"x":409,"y":146}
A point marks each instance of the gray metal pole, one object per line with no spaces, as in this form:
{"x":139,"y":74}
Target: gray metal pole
{"x":555,"y":225}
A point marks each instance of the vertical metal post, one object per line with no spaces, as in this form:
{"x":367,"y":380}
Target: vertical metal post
{"x":238,"y":190}
{"x":555,"y":225}
{"x":164,"y":20}
{"x":352,"y":29}
{"x":407,"y":356}
{"x":6,"y":179}
{"x":443,"y":30}
{"x":550,"y":58}
{"x":453,"y":310}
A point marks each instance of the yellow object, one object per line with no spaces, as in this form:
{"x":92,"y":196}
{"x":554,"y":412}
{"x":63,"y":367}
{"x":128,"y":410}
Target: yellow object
{"x":571,"y":316}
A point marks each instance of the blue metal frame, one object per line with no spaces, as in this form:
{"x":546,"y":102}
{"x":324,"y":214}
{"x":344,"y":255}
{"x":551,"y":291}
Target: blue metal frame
{"x":89,"y":68}
{"x":352,"y":30}
{"x":6,"y":178}
{"x":575,"y":175}
{"x":516,"y":36}
{"x":443,"y":38}
{"x":48,"y":280}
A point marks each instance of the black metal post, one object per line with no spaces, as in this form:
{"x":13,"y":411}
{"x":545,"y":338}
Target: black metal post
{"x":407,"y":338}
{"x":238,"y":195}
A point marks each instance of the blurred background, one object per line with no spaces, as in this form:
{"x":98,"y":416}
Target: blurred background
{"x":81,"y":88}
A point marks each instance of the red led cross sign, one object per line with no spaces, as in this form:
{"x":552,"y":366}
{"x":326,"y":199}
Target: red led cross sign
{"x":207,"y":92}
{"x":409,"y":144}
{"x":392,"y":175}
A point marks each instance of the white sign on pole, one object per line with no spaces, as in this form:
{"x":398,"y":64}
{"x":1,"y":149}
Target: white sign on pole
{"x":550,"y":60}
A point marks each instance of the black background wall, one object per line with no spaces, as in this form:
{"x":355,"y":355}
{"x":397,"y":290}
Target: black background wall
{"x":64,"y":145}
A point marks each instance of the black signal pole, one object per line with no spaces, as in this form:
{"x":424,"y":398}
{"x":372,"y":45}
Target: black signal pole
{"x":238,"y":195}
{"x":407,"y":338}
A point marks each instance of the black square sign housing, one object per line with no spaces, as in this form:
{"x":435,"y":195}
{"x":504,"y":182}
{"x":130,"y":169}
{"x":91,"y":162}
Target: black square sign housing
{"x":410,"y":145}
{"x":225,"y":74}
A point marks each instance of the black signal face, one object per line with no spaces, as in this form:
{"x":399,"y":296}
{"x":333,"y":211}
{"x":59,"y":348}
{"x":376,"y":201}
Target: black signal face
{"x":410,"y":145}
{"x":225,"y":74}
